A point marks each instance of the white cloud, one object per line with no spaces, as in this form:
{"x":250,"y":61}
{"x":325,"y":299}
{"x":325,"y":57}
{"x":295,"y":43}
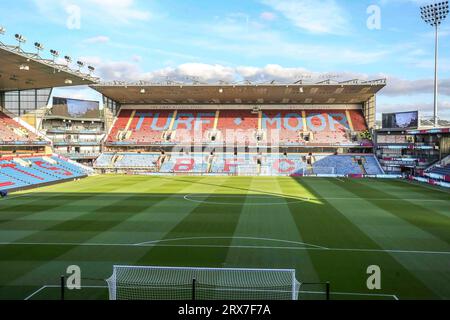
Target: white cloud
{"x":402,"y":87}
{"x":318,"y":16}
{"x":130,"y":70}
{"x":425,"y":108}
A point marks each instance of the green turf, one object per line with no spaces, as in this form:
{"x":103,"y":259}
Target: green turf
{"x":327,"y":229}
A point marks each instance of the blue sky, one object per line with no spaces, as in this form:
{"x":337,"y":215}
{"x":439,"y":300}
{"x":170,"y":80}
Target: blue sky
{"x":233,"y":40}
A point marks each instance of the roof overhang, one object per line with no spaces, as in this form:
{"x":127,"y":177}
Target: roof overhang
{"x":20,"y":70}
{"x":350,"y":92}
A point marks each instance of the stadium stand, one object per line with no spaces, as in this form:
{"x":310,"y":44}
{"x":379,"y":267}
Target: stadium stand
{"x":345,"y":165}
{"x":190,"y":127}
{"x":237,"y":127}
{"x":231,"y":127}
{"x":137,"y":160}
{"x":185,"y":163}
{"x":443,"y":171}
{"x":440,"y":171}
{"x":232,"y":164}
{"x":21,"y":172}
{"x":12,"y":132}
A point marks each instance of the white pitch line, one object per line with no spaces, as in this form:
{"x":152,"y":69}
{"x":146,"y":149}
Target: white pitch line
{"x":300,"y":291}
{"x":55,"y":286}
{"x":223,"y":246}
{"x":353,"y":294}
{"x":283,"y":200}
{"x":232,"y":238}
{"x":282,"y":197}
{"x":35,"y":293}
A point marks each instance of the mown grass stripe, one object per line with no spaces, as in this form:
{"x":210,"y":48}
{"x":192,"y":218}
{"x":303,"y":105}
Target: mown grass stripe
{"x":425,"y":219}
{"x":204,"y":220}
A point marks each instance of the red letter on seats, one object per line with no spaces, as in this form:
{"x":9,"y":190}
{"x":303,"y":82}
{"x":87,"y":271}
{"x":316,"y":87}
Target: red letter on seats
{"x":184,"y":165}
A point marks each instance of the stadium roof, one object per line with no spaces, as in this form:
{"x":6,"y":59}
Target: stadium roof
{"x":20,"y":70}
{"x":325,"y":92}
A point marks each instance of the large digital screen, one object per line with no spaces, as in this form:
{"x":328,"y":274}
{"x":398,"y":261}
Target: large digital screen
{"x":73,"y":108}
{"x":401,"y":120}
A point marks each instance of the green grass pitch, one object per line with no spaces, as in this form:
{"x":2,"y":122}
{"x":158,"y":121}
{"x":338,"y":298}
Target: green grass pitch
{"x":326,"y":229}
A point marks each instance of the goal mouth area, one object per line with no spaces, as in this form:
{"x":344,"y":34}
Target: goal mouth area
{"x":190,"y":283}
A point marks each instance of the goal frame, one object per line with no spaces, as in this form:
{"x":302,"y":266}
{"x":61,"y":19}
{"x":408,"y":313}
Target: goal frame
{"x":112,"y":281}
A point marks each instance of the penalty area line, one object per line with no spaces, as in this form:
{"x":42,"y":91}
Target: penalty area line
{"x":55,"y":286}
{"x":355,"y":294}
{"x":395,"y":251}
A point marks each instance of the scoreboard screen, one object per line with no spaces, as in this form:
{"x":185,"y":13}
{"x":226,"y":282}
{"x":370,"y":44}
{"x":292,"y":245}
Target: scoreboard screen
{"x":401,"y":120}
{"x":77,"y":109}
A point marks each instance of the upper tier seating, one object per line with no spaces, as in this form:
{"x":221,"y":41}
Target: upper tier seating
{"x":237,"y":127}
{"x":33,"y":171}
{"x":192,"y":127}
{"x":11,"y":131}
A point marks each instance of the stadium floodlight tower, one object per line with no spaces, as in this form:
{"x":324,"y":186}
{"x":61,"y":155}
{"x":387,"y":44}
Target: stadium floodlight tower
{"x":433,"y":15}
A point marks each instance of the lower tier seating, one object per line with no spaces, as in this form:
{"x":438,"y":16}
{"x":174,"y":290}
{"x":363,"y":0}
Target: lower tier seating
{"x":440,"y":172}
{"x":16,"y":173}
{"x":245,"y":164}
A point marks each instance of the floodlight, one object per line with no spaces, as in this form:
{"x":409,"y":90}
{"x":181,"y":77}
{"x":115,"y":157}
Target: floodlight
{"x":433,"y":15}
{"x":54,"y":53}
{"x":39,"y":47}
{"x":2,"y":30}
{"x":20,"y":39}
{"x":68,"y":60}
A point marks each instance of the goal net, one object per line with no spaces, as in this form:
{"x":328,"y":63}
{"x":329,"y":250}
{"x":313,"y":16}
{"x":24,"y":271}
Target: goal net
{"x":248,"y":170}
{"x":171,"y":283}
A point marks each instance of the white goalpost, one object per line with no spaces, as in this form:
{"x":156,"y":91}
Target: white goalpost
{"x":173,"y":283}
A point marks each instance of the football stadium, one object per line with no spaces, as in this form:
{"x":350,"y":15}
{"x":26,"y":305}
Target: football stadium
{"x":216,"y":191}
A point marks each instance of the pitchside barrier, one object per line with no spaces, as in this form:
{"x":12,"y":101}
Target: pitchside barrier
{"x":172,"y":283}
